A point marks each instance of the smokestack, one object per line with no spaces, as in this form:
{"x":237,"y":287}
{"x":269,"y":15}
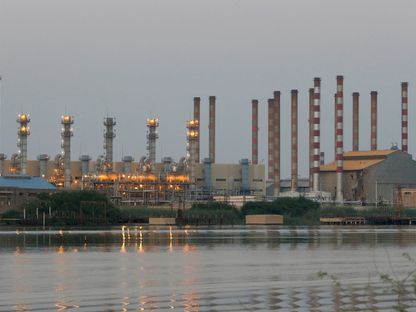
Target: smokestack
{"x":254,"y":131}
{"x":340,"y":137}
{"x":270,"y":135}
{"x":43,"y":165}
{"x":355,"y":121}
{"x":404,"y":117}
{"x":294,"y":140}
{"x":335,"y":127}
{"x":211,"y":128}
{"x":109,"y":135}
{"x":276,"y":142}
{"x":322,"y":159}
{"x":310,"y":138}
{"x":373,"y":120}
{"x":152,"y":136}
{"x":197,"y":118}
{"x":67,"y":133}
{"x":316,"y":132}
{"x":23,"y":132}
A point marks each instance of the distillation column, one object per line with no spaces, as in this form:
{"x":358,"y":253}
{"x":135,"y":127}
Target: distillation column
{"x":340,"y":137}
{"x":197,"y":117}
{"x":404,"y":117}
{"x":316,"y":132}
{"x":294,"y":140}
{"x":254,"y":131}
{"x":23,"y":132}
{"x":109,"y":135}
{"x":192,"y":136}
{"x":85,"y":165}
{"x":152,"y":136}
{"x":355,"y":121}
{"x":67,"y":132}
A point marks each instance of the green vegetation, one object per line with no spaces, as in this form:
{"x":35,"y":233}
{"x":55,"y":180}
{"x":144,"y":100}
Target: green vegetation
{"x":67,"y":208}
{"x":212,"y":213}
{"x":295,"y":211}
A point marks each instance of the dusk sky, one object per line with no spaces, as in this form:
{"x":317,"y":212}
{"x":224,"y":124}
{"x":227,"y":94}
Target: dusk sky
{"x":139,"y":59}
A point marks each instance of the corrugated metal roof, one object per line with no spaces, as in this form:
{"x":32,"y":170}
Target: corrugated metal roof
{"x":369,"y":153}
{"x":352,"y":165}
{"x":25,"y":182}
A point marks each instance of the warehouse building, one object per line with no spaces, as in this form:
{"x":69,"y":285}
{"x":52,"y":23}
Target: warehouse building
{"x":371,"y":176}
{"x":16,"y":190}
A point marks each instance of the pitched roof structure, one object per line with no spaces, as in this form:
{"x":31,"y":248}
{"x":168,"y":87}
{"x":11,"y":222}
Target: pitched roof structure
{"x":359,"y":160}
{"x":25,"y":182}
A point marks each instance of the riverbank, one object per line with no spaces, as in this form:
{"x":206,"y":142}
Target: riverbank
{"x":92,"y":208}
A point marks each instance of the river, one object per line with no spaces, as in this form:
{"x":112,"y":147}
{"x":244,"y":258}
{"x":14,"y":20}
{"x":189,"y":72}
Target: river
{"x":240,"y":268}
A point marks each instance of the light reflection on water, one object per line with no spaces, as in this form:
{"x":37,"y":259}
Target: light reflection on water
{"x":135,"y":268}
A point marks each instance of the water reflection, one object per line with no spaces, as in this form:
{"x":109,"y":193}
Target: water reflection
{"x":198,"y":268}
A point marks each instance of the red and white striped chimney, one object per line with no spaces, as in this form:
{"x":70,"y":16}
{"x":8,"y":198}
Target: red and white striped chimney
{"x":335,"y":127}
{"x":310,"y":138}
{"x":355,"y":121}
{"x":197,"y":118}
{"x":254,"y":131}
{"x":340,"y":137}
{"x":316,"y":132}
{"x":373,"y":120}
{"x":294,"y":140}
{"x":270,"y":143}
{"x":211,"y":128}
{"x":276,"y":142}
{"x":404,"y":117}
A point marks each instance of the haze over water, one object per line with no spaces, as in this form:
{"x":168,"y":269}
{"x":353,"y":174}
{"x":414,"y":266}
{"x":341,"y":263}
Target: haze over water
{"x":202,"y":269}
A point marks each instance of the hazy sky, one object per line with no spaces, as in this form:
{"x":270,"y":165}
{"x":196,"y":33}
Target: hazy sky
{"x":136,"y":59}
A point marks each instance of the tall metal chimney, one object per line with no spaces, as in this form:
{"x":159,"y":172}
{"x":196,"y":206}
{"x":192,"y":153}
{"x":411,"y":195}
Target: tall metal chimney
{"x":67,"y":132}
{"x":316,"y":132}
{"x":404,"y":117}
{"x":340,"y":137}
{"x":276,"y":142}
{"x":373,"y":120}
{"x":335,"y":127}
{"x":294,"y":140}
{"x":355,"y":121}
{"x":152,"y":136}
{"x":197,"y":118}
{"x":211,"y":128}
{"x":310,"y":138}
{"x":270,"y":136}
{"x":43,"y":165}
{"x":254,"y":131}
{"x":109,"y":135}
{"x":192,"y":136}
{"x":23,"y":132}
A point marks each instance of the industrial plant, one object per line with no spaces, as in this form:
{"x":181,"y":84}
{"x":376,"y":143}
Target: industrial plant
{"x":357,"y":176}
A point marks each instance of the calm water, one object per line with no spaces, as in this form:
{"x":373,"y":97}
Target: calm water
{"x":202,"y":269}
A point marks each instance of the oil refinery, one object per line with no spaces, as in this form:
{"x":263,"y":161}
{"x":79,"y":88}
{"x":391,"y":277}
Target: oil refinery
{"x":354,"y":176}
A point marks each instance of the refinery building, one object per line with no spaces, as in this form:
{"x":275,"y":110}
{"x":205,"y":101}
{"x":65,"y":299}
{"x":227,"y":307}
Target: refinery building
{"x":361,"y":176}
